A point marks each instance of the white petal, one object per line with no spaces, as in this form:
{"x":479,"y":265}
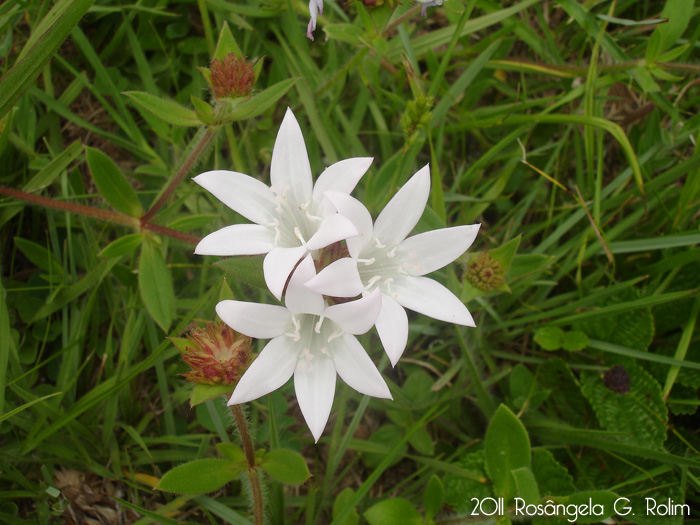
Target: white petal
{"x":356,"y":368}
{"x":392,"y":326}
{"x":356,"y":317}
{"x":314,"y":382}
{"x":430,"y":251}
{"x":239,"y":239}
{"x":430,"y":298}
{"x":261,"y":321}
{"x":244,"y":194}
{"x":277,"y":266}
{"x":270,"y":370}
{"x":354,"y":210}
{"x":290,"y":172}
{"x":342,"y":176}
{"x":334,"y":228}
{"x":298,"y":298}
{"x":338,"y":279}
{"x":400,"y":216}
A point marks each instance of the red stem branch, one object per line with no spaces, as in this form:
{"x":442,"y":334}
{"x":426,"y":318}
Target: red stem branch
{"x":97,"y":213}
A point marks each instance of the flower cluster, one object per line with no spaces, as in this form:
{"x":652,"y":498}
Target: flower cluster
{"x":340,"y":273}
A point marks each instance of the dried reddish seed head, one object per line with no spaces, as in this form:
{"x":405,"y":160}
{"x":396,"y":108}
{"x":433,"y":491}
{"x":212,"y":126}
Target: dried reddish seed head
{"x":232,"y":77}
{"x":217,"y":354}
{"x":617,"y":379}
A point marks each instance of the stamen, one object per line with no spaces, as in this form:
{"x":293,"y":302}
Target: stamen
{"x":367,"y":262}
{"x":391,"y":253}
{"x":371,"y":282}
{"x":378,"y":244}
{"x":313,"y":217}
{"x":317,"y":328}
{"x":335,"y":335}
{"x":308,"y":355}
{"x":297,"y":233}
{"x":296,"y":336}
{"x":324,"y":350}
{"x":387,"y":282}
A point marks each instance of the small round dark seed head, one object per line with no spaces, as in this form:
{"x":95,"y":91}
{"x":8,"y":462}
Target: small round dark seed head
{"x":617,"y":379}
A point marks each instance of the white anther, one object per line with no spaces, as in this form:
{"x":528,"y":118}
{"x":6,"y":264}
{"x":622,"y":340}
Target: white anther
{"x":379,"y":244}
{"x":366,"y":262}
{"x":391,"y":253}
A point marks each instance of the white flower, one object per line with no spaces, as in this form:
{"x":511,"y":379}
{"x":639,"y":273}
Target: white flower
{"x":315,"y":8}
{"x":383,"y":258}
{"x":311,"y":341}
{"x":427,"y":4}
{"x":291,"y":216}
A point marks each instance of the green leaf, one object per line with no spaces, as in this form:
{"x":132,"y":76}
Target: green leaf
{"x":552,"y":477}
{"x":156,"y":286}
{"x":549,"y":337}
{"x":434,"y":497}
{"x":41,"y":257}
{"x":521,"y":382}
{"x":286,"y":466}
{"x":258,"y":104}
{"x":507,"y":447}
{"x":53,"y":169}
{"x":226,"y":44}
{"x":89,"y":281}
{"x":43,"y":43}
{"x":665,"y":35}
{"x":526,"y":485}
{"x":248,"y":269}
{"x":383,"y":437}
{"x":422,"y":442}
{"x":225,"y":294}
{"x":112,"y":184}
{"x":122,"y":246}
{"x":605,"y":498}
{"x":349,"y":33}
{"x":574,"y":341}
{"x":459,"y":489}
{"x":19,"y":409}
{"x":639,"y":415}
{"x":231,"y":451}
{"x":395,"y":511}
{"x":199,"y":476}
{"x":165,"y":109}
{"x":341,"y":500}
{"x":201,"y":392}
{"x":632,"y":328}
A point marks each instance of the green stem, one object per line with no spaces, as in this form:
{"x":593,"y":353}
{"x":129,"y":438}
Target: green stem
{"x":239,"y":417}
{"x":202,"y":141}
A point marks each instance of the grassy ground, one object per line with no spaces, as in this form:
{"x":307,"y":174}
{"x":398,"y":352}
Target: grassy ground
{"x":568,"y":130}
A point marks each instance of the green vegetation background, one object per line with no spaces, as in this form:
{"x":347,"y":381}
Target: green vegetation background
{"x":567,"y":129}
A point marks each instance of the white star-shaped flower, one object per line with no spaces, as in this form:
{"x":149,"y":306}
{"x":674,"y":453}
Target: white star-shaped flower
{"x":310,"y":340}
{"x":383,"y":258}
{"x":291,"y":216}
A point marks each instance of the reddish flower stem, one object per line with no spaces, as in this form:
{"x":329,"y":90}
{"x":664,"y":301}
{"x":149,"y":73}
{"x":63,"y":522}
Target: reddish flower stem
{"x":184,"y":169}
{"x":97,"y":213}
{"x":239,"y":417}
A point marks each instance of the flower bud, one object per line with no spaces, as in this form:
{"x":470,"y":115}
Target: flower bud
{"x":484,"y":272}
{"x":232,"y":77}
{"x":216,"y":353}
